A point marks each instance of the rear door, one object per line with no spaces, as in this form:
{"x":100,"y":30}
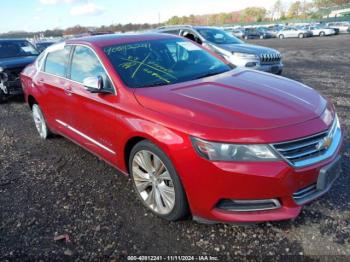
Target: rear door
{"x":54,"y":86}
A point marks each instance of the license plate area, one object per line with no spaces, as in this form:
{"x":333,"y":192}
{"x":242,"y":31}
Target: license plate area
{"x":328,"y":175}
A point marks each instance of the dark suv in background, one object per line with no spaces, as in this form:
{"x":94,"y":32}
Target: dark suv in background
{"x":15,"y":55}
{"x":229,"y":47}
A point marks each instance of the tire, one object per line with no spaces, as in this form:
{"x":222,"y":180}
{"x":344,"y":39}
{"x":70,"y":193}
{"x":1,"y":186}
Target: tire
{"x":246,"y":37}
{"x":301,"y":36}
{"x":40,"y":122}
{"x":262,"y":37}
{"x":163,"y":184}
{"x":281,"y":36}
{"x":322,"y":33}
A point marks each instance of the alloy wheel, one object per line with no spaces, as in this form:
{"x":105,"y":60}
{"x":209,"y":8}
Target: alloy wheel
{"x":153,"y":182}
{"x":39,"y":121}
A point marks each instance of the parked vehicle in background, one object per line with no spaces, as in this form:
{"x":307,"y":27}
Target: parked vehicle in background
{"x":231,"y":48}
{"x":42,"y":45}
{"x":343,"y":27}
{"x":238,"y":32}
{"x":289,"y":32}
{"x":320,"y":31}
{"x":195,"y":135}
{"x":274,"y":29}
{"x":254,"y":33}
{"x":269,"y":33}
{"x":336,"y":30}
{"x":15,"y":54}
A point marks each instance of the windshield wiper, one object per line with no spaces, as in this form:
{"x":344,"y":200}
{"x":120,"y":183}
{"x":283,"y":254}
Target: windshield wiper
{"x":154,"y":84}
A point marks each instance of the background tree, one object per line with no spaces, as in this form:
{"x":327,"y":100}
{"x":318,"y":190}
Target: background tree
{"x":278,"y":10}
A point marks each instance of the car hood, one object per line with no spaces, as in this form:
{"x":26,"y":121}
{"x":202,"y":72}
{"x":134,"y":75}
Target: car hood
{"x":247,"y":48}
{"x":16,"y":62}
{"x":239,"y":99}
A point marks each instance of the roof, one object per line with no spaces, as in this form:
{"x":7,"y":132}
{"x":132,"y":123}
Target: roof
{"x":114,"y":39}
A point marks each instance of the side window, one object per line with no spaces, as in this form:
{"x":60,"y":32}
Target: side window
{"x":191,"y":36}
{"x":57,"y":61}
{"x":86,"y":64}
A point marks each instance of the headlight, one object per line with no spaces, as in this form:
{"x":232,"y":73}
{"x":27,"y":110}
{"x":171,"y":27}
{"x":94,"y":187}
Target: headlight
{"x":244,"y":55}
{"x":232,"y":152}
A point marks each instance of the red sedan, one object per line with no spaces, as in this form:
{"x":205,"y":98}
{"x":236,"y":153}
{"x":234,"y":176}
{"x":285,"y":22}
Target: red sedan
{"x":196,"y":135}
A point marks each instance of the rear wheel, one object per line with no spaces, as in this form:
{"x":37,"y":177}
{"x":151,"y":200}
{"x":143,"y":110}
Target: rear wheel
{"x":40,"y":122}
{"x":156,"y":182}
{"x":261,"y":37}
{"x":246,"y":37}
{"x":281,"y":36}
{"x":322,"y":33}
{"x":301,"y":35}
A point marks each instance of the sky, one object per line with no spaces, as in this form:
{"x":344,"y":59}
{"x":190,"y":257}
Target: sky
{"x":36,"y":15}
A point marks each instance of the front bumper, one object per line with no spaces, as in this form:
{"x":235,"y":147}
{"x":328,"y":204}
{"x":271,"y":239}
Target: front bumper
{"x":208,"y":183}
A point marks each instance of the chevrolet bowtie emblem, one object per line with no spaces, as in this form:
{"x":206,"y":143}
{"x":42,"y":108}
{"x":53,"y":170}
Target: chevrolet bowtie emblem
{"x":324,"y":143}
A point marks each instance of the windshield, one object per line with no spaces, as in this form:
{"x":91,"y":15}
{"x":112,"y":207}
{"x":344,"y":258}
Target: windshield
{"x":218,"y":36}
{"x":162,"y":62}
{"x":16,"y":49}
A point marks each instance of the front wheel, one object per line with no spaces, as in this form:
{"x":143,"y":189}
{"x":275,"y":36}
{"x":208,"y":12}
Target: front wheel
{"x":281,"y":36}
{"x":156,"y":182}
{"x":40,"y":122}
{"x":322,"y":34}
{"x":301,"y":35}
{"x":261,"y":37}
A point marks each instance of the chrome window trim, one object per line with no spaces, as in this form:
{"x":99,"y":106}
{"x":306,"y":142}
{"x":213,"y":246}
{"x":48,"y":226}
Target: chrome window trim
{"x":85,"y":136}
{"x":40,"y":68}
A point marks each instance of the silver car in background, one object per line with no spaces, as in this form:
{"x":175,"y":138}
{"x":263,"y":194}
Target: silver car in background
{"x":288,"y":32}
{"x":343,"y":27}
{"x":320,"y":31}
{"x":231,"y":48}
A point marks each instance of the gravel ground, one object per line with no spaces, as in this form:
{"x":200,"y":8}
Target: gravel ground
{"x":52,"y":188}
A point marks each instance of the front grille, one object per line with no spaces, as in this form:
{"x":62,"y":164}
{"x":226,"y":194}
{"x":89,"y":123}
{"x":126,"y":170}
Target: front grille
{"x":302,"y":149}
{"x":270,"y":58}
{"x":312,"y":149}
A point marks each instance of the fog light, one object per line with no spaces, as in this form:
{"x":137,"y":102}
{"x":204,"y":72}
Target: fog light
{"x":248,"y":205}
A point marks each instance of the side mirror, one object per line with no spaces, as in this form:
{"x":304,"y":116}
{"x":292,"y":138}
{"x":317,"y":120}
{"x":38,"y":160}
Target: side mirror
{"x":95,"y":85}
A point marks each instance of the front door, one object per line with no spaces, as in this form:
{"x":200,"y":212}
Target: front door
{"x":95,"y":116}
